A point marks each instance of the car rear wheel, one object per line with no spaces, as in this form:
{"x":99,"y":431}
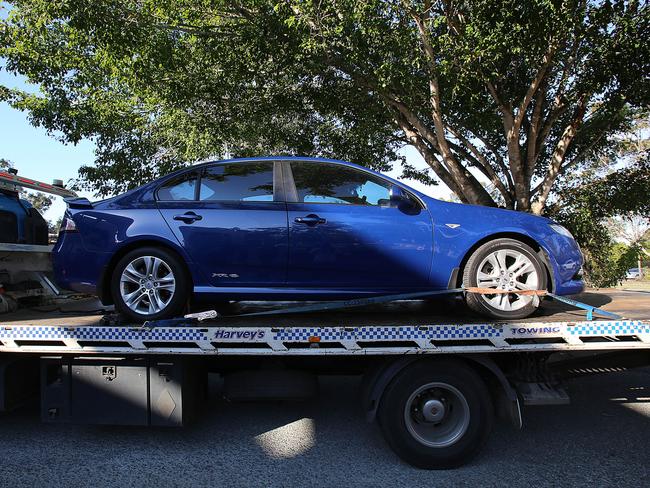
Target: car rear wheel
{"x":149,"y":284}
{"x":504,"y":265}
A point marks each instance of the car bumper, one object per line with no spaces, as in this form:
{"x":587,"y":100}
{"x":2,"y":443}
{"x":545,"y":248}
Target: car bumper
{"x":570,"y":287}
{"x":565,"y":260}
{"x":76,"y":268}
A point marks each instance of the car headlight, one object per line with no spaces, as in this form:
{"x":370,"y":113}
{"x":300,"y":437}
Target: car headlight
{"x":563,"y":231}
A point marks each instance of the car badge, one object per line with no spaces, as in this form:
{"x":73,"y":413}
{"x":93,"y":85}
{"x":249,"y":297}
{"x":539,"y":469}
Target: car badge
{"x":452,"y":226}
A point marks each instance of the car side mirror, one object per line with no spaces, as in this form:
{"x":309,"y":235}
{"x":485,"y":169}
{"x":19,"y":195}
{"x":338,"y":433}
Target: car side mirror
{"x":398,"y":196}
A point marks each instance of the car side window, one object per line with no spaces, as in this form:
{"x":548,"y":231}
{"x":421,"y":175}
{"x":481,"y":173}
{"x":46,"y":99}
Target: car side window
{"x":333,"y":183}
{"x":181,"y":188}
{"x":243,"y":182}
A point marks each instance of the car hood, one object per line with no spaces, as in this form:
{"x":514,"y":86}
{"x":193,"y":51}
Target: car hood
{"x":481,"y":215}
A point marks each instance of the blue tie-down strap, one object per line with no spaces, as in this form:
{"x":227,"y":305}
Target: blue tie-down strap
{"x":362,"y":302}
{"x":588,"y":308}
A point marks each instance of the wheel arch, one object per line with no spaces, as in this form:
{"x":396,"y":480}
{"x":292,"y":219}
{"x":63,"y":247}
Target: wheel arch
{"x":503,"y":395}
{"x":104,"y":288}
{"x":456,"y":279}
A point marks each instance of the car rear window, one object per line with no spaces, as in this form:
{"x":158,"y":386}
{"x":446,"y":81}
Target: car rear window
{"x":179,"y":189}
{"x":243,"y":182}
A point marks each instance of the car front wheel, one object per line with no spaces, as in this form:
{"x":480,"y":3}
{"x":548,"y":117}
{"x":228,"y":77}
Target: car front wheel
{"x":149,"y":284}
{"x":505,"y":265}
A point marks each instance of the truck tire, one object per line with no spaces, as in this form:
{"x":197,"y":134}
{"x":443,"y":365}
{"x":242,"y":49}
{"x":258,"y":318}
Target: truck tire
{"x":504,"y":264}
{"x":436,"y":414}
{"x":150,"y":283}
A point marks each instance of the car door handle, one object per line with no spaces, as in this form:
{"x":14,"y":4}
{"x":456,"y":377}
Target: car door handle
{"x":311,"y":219}
{"x":188,"y":217}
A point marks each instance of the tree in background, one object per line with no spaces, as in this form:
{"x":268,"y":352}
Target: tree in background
{"x":39,"y":201}
{"x":632,"y":230}
{"x":588,"y":209}
{"x":509,"y":95}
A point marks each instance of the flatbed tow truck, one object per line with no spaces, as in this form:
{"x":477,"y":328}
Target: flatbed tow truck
{"x":434,"y":381}
{"x":434,"y":376}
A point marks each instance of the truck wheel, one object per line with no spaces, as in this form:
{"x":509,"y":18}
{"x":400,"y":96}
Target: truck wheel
{"x":149,"y":284}
{"x":504,"y":264}
{"x":436,"y":415}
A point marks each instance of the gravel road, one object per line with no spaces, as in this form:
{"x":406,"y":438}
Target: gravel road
{"x":601,"y":439}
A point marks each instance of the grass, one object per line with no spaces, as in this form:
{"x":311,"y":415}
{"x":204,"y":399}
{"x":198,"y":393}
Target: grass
{"x":643,"y":285}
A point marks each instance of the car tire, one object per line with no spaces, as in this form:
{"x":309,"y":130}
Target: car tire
{"x":455,"y":433}
{"x":157,"y":299}
{"x":481,"y":272}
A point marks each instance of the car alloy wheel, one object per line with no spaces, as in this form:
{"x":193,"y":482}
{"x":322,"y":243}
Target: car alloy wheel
{"x":507,"y":266}
{"x":508,"y":270}
{"x":147,"y":285}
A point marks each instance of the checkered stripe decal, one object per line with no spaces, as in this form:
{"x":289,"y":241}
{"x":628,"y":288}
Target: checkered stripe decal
{"x":296,"y":334}
{"x":101,"y":333}
{"x":610,"y":328}
{"x":333,"y":334}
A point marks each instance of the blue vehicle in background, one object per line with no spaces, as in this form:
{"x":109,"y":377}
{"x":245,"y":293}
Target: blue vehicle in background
{"x":307,"y":229}
{"x":14,"y":214}
{"x":20,"y":222}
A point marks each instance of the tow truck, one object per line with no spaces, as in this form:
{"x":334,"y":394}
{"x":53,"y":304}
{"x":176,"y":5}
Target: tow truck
{"x":434,"y":376}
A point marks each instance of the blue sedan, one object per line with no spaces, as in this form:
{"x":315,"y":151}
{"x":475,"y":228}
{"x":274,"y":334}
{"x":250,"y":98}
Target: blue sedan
{"x":303,"y":229}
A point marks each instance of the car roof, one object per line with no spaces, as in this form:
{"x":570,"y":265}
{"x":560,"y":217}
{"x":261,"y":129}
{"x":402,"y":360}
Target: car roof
{"x":273,"y":158}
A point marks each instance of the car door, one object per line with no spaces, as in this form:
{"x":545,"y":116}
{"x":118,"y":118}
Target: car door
{"x":232,"y":221}
{"x":345,"y":233}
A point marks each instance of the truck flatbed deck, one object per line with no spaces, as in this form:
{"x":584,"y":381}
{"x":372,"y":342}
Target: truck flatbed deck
{"x":633,"y":305}
{"x":401,"y":327}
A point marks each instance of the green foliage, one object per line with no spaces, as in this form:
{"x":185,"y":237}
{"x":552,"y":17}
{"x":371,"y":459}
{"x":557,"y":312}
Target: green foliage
{"x":39,"y":201}
{"x":625,"y":256}
{"x":53,"y":226}
{"x":584,"y":210}
{"x":489,"y":86}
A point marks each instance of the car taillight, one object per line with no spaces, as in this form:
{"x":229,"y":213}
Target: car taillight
{"x":68,"y":225}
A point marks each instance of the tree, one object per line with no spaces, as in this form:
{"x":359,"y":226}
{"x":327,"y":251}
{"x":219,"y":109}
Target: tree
{"x":53,"y":226}
{"x":632,"y":229}
{"x":504,"y":94}
{"x":588,"y":211}
{"x":39,"y":201}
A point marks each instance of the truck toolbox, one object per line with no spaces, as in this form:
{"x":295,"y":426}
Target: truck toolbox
{"x":118,"y":391}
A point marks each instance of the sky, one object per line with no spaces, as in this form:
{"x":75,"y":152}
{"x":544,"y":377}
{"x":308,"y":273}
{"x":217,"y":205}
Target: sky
{"x":33,"y":152}
{"x":39,"y":155}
